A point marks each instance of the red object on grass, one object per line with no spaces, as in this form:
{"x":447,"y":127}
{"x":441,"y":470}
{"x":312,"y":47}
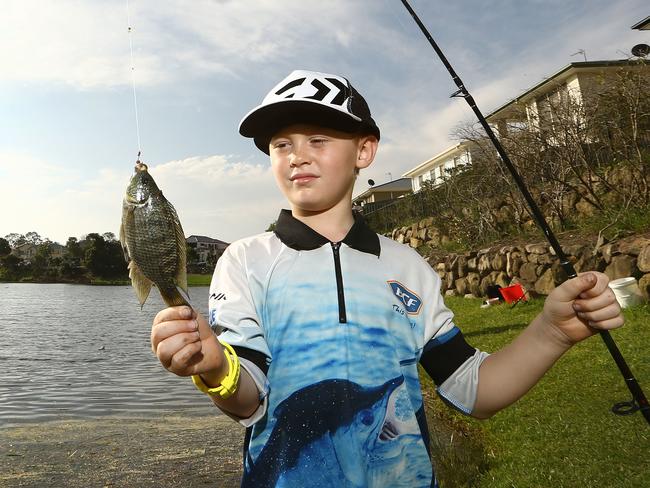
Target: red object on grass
{"x":513,"y":293}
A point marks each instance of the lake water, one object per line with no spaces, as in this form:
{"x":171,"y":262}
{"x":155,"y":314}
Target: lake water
{"x":75,"y":351}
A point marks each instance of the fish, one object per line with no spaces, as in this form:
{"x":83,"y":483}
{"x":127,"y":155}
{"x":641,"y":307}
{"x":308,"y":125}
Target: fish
{"x":153,"y":241}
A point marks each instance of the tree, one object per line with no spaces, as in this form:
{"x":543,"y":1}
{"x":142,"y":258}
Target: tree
{"x":15,"y":239}
{"x":41,"y":262}
{"x":73,"y":249}
{"x":104,"y":258}
{"x":33,"y":238}
{"x":5,"y":248}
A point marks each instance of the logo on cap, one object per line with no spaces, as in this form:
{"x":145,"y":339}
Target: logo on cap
{"x":328,"y":90}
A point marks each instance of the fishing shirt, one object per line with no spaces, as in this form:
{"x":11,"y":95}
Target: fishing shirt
{"x":332,"y":333}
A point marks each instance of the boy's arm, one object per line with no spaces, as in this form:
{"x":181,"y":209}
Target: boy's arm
{"x":575,"y":310}
{"x":185,"y":345}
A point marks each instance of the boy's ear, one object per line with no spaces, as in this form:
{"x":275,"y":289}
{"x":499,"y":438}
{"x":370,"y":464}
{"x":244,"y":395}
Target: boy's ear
{"x":367,"y":150}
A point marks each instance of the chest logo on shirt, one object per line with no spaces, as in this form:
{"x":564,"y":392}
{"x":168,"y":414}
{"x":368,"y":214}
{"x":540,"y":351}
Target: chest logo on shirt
{"x":412,"y":302}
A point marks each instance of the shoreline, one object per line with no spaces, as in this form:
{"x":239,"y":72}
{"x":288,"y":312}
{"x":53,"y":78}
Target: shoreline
{"x":123,"y":451}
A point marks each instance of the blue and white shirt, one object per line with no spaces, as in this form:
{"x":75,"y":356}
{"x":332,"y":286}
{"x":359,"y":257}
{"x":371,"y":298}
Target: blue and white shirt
{"x":332,"y":333}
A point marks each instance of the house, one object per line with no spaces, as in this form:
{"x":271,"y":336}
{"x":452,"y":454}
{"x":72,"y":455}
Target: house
{"x":206,"y":246}
{"x":381,"y":195}
{"x":643,"y":24}
{"x":27,"y":250}
{"x":570,"y":87}
{"x":439,"y":166}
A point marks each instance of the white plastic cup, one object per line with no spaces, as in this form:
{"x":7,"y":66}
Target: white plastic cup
{"x":627,"y":291}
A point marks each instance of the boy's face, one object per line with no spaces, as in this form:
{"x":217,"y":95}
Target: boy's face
{"x":315,"y":167}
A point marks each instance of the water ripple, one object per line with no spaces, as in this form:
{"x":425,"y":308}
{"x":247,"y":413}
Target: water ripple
{"x":71,"y":351}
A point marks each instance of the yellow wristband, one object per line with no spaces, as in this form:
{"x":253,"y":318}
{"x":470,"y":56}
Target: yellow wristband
{"x":228,"y":385}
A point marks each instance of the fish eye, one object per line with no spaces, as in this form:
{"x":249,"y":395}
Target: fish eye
{"x":367,"y":417}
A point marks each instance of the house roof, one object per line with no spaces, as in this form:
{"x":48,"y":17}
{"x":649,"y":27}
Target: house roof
{"x":206,"y":240}
{"x":642,"y":25}
{"x":440,"y":156}
{"x":401,"y":184}
{"x":560,"y":75}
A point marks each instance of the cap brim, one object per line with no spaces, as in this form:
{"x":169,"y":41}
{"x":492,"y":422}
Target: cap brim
{"x":263,"y":122}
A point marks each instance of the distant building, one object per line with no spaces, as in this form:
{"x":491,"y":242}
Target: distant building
{"x":576,"y":82}
{"x":440,"y":165}
{"x":205,"y":246}
{"x":26,"y":251}
{"x":642,"y":25}
{"x":381,"y":195}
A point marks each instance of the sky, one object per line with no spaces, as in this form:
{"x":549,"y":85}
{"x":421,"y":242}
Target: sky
{"x":68,"y":125}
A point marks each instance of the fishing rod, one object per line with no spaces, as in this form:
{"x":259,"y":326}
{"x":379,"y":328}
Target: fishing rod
{"x":639,"y":400}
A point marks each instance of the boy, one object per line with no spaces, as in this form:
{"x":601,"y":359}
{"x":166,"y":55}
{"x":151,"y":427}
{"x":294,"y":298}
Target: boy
{"x":328,"y":320}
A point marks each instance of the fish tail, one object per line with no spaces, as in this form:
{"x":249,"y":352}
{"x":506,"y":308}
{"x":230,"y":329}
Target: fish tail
{"x":175,"y":296}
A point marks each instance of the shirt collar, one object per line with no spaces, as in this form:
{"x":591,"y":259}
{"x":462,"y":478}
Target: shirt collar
{"x":299,"y":236}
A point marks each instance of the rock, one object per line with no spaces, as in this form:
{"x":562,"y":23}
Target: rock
{"x":514,"y":261}
{"x":500,"y":278}
{"x":499,"y":262}
{"x":644,"y":286}
{"x":484,"y":265}
{"x":468,"y":295}
{"x":472,"y":264}
{"x":632,"y":246}
{"x":527,"y":272}
{"x":575,"y":250}
{"x":536,"y":248}
{"x":400,"y":238}
{"x":606,"y":253}
{"x":485,"y":283}
{"x":545,"y":284}
{"x":461,"y":286}
{"x":462,"y":266}
{"x":590,"y":263}
{"x":450,"y":293}
{"x":621,"y":267}
{"x":643,"y":261}
{"x":415,"y":242}
{"x":473,"y":284}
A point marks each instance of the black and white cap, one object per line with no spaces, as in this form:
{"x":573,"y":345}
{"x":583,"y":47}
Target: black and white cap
{"x":308,"y":97}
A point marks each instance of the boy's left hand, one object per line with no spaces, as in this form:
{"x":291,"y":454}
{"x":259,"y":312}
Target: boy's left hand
{"x":582,"y":306}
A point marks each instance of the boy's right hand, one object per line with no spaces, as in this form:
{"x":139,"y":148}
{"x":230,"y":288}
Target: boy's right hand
{"x":185,"y":344}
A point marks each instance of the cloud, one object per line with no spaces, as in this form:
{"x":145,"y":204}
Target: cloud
{"x":86,"y":44}
{"x":220,"y":196}
{"x":217,"y":196}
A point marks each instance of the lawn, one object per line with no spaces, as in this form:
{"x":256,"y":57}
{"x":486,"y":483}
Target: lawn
{"x":562,"y":433}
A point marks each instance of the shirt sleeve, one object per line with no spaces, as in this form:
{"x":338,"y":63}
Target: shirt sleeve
{"x":447,"y":358}
{"x":234,"y":318}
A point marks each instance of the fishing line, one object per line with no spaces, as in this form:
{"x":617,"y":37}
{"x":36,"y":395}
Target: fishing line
{"x":135,"y":97}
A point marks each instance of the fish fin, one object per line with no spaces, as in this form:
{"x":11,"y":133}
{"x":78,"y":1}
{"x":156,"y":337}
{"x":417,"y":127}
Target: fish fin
{"x":184,"y":294}
{"x":127,"y":218}
{"x":181,"y":244}
{"x":141,"y":284}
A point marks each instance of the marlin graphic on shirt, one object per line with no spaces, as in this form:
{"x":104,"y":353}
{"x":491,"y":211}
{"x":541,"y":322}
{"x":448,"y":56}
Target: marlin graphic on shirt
{"x":329,"y":416}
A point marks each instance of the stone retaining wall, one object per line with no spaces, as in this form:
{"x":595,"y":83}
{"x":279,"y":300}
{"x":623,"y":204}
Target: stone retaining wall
{"x":535,"y":265}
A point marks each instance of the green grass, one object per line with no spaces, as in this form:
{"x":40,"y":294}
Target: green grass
{"x":199,"y":279}
{"x":192,"y":280}
{"x":562,"y":433}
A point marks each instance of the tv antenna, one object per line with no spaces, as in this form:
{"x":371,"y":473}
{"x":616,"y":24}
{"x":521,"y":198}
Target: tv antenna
{"x":581,"y":51}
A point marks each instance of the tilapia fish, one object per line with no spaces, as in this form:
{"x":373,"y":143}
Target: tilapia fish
{"x":153,"y":241}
